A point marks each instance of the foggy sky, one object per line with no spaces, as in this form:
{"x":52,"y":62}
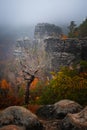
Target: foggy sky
{"x":31,"y":12}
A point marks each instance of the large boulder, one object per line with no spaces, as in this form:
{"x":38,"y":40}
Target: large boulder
{"x":46,"y":112}
{"x":12,"y":127}
{"x":75,"y":121}
{"x":20,"y":116}
{"x":58,"y":110}
{"x":63,"y":107}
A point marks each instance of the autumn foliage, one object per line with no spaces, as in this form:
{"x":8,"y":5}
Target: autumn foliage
{"x":65,"y":84}
{"x":8,"y":96}
{"x":68,"y":83}
{"x":33,"y":84}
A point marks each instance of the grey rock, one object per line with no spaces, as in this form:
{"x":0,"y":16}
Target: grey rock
{"x":63,"y":107}
{"x":20,"y":116}
{"x":76,"y":121}
{"x":42,"y":30}
{"x":64,"y":52}
{"x":46,"y":112}
{"x":58,"y":110}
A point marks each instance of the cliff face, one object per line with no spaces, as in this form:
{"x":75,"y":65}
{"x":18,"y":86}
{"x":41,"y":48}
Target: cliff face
{"x":58,"y":52}
{"x":64,"y":52}
{"x":43,"y":30}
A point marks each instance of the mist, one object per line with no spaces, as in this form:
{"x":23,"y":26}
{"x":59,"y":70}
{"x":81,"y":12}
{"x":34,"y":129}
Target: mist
{"x":30,"y":12}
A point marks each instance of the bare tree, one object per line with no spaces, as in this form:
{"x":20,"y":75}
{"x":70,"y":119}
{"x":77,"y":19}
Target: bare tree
{"x":29,"y":78}
{"x":30,"y":63}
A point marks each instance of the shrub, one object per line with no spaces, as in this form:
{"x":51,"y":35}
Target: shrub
{"x":65,"y":86}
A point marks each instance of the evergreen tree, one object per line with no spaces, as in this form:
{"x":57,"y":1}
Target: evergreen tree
{"x":71,"y":28}
{"x":83,"y":29}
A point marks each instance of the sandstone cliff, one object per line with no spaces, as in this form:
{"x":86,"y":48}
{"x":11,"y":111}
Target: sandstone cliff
{"x":43,"y":30}
{"x":58,"y":52}
{"x":65,"y":52}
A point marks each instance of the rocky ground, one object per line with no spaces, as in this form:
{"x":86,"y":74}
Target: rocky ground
{"x":50,"y":124}
{"x":63,"y":115}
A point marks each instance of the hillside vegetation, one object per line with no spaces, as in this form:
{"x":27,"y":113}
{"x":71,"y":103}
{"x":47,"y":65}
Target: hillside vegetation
{"x":68,"y":83}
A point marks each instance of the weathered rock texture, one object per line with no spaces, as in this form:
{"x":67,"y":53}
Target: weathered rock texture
{"x":64,"y":52}
{"x":75,"y":121}
{"x":58,"y":110}
{"x":42,"y":30}
{"x":63,"y":107}
{"x":20,"y":116}
{"x":46,"y":112}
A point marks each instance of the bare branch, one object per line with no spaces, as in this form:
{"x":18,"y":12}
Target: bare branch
{"x":23,"y":65}
{"x":26,"y":72}
{"x":25,"y":78}
{"x":35,"y":71}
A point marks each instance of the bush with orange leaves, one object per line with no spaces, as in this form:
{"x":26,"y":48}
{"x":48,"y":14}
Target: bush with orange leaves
{"x":7,"y":95}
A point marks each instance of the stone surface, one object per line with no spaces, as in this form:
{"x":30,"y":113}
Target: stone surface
{"x":20,"y":116}
{"x":46,"y":112}
{"x":58,"y":110}
{"x":75,"y":121}
{"x":43,"y":30}
{"x":63,"y":107}
{"x":51,"y":124}
{"x":64,"y":52}
{"x":58,"y":52}
{"x":12,"y":127}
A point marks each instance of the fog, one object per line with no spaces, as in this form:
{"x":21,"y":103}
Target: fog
{"x":31,"y":12}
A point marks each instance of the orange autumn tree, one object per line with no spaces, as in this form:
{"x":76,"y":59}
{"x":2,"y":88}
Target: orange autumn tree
{"x":64,"y":37}
{"x":4,"y":84}
{"x":34,"y":83}
{"x":5,"y":87}
{"x":7,"y":95}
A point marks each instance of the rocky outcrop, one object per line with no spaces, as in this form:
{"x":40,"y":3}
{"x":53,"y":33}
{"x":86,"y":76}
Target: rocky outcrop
{"x":58,"y":110}
{"x":55,"y":51}
{"x":75,"y":121}
{"x":43,"y":30}
{"x":58,"y":52}
{"x":20,"y":116}
{"x":64,"y":52}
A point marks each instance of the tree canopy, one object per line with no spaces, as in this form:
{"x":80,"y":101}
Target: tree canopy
{"x":80,"y":31}
{"x":83,"y":29}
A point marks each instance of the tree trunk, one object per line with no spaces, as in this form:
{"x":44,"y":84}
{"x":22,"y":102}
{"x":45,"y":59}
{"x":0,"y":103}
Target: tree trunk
{"x":27,"y":91}
{"x":27,"y":94}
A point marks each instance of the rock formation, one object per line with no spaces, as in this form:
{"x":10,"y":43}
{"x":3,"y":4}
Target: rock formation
{"x":46,"y":112}
{"x":58,"y":52}
{"x":43,"y":30}
{"x":64,"y":52}
{"x":75,"y":121}
{"x":63,"y":107}
{"x":58,"y":110}
{"x":20,"y":116}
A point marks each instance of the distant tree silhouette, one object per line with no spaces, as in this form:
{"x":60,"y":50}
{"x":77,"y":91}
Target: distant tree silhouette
{"x":83,"y":29}
{"x":71,"y":28}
